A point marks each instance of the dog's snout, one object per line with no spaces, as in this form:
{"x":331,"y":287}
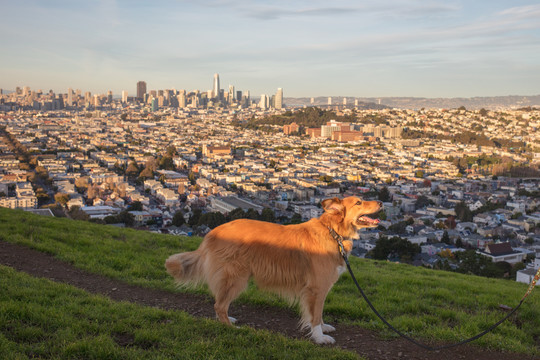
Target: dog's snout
{"x":380,"y":203}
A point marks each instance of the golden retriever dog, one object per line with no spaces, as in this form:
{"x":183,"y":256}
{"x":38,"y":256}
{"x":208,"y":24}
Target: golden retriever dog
{"x":300,"y":262}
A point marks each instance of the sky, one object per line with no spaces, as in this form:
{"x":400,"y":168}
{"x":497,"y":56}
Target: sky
{"x":360,"y":48}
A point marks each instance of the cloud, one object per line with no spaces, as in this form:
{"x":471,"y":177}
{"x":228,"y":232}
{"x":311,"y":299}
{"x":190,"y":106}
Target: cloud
{"x":272,"y":13}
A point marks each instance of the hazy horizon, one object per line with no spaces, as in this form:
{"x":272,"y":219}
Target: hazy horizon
{"x":387,"y":48}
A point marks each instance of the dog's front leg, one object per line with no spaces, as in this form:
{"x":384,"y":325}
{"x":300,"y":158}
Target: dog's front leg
{"x":317,"y":326}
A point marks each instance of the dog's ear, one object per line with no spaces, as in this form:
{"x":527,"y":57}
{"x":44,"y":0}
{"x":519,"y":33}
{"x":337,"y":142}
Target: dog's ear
{"x":334,"y":206}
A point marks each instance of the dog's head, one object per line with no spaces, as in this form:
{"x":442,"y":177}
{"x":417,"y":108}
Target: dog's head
{"x":351,"y":213}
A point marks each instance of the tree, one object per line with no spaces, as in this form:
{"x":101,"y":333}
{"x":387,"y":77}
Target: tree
{"x":135,"y":206}
{"x":450,"y":222}
{"x":171,"y":151}
{"x":61,"y":198}
{"x":386,"y":248}
{"x":463,"y":212}
{"x":445,"y":238}
{"x":166,"y":163}
{"x":126,"y":218}
{"x":81,"y":183}
{"x":132,"y":169}
{"x":212,"y":219}
{"x":77,"y":214}
{"x":384,"y":194}
{"x":268,"y":215}
{"x":422,"y":201}
{"x":195,"y":216}
{"x":419,"y":174}
{"x":296,"y":219}
{"x":326,"y":178}
{"x":178,"y":218}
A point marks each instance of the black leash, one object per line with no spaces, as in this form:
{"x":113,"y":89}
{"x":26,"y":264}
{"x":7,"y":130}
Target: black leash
{"x":339,"y":239}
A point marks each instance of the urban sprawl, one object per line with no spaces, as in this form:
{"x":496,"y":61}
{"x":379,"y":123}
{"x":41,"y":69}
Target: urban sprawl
{"x":460,"y":187}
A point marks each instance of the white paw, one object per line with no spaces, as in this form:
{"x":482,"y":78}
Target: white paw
{"x":319,"y":338}
{"x":323,"y":339}
{"x":327,"y":328}
{"x":232,"y":320}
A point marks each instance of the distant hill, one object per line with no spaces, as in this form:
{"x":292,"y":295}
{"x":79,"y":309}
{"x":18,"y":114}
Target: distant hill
{"x":474,"y":103}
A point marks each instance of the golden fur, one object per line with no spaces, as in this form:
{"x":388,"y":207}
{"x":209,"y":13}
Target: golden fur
{"x":300,"y":262}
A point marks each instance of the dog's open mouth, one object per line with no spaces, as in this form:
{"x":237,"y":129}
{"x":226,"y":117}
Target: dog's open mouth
{"x":367,"y":221}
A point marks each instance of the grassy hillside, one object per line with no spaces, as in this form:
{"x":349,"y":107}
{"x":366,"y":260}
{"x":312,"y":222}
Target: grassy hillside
{"x":43,"y":319}
{"x":427,"y":304}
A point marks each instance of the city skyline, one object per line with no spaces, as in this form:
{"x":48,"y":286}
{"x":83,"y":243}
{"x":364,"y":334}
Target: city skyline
{"x":383,"y":49}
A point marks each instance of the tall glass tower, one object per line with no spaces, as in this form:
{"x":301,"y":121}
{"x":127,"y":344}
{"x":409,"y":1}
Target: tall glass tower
{"x":279,"y":99}
{"x":216,"y":90}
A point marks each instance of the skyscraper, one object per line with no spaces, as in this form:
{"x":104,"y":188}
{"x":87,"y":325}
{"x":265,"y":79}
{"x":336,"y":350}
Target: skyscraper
{"x":265,"y":100}
{"x":232,"y":94}
{"x":216,"y":90}
{"x":141,"y":89}
{"x":279,"y":99}
{"x":124,"y":96}
{"x":70,"y":97}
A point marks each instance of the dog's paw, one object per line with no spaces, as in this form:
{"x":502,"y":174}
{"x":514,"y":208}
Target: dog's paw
{"x":323,"y":339}
{"x":319,"y":338}
{"x":327,"y":328}
{"x":232,"y":320}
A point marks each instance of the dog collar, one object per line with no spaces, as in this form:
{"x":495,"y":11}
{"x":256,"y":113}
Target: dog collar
{"x":339,"y":239}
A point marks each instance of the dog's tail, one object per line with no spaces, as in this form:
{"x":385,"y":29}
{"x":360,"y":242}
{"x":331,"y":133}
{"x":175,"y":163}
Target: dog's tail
{"x":186,"y":268}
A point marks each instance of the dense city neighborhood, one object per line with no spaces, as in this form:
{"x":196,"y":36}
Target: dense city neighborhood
{"x":451,"y":180}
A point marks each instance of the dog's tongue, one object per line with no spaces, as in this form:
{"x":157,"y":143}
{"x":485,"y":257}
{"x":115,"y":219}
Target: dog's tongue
{"x":368,"y":220}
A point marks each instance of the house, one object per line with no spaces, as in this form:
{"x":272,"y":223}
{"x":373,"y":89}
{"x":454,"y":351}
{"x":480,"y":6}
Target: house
{"x":527,"y":275}
{"x":227,"y":204}
{"x":503,"y":252}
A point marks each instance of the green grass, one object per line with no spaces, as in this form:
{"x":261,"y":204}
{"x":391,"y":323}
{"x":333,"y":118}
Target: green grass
{"x":426,"y":304}
{"x":43,"y":319}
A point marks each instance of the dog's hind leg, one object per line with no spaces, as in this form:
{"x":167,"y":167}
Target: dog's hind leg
{"x":225,"y":291}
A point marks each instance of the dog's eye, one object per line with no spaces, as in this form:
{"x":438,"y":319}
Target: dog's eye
{"x":358,"y":202}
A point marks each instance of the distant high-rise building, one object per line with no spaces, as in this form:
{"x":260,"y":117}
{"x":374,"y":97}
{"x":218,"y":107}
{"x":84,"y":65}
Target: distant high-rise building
{"x":265,"y":100}
{"x":182,"y":99}
{"x":109,"y":96}
{"x":232,"y":95}
{"x":329,"y":100}
{"x":124,"y":96}
{"x":279,"y":99}
{"x":216,"y":90}
{"x":312,"y":101}
{"x":345,"y":101}
{"x":70,"y":97}
{"x":141,"y":89}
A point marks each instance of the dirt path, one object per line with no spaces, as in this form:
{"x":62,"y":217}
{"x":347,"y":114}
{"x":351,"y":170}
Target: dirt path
{"x":361,"y":341}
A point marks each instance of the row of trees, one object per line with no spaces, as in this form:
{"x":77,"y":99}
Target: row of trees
{"x":465,"y":137}
{"x":306,"y":118}
{"x":214,"y":219}
{"x":465,"y":262}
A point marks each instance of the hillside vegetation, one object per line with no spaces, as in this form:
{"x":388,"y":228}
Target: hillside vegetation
{"x":426,"y":304}
{"x":43,"y":319}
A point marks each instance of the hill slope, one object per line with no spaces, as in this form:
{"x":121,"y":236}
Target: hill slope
{"x":436,"y":306}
